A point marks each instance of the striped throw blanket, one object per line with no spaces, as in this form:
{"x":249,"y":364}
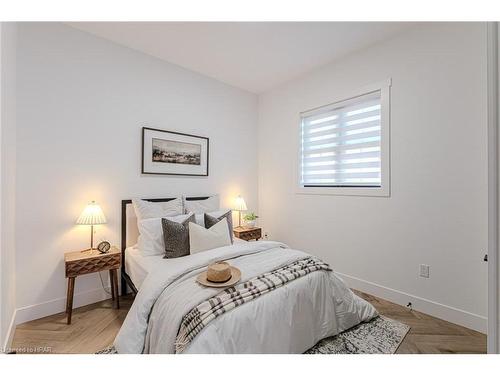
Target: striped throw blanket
{"x":193,"y":322}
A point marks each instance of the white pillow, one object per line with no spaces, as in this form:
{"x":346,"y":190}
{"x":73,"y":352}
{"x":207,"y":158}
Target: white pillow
{"x":148,"y":210}
{"x":201,"y":239}
{"x":151,"y":240}
{"x":202,"y":206}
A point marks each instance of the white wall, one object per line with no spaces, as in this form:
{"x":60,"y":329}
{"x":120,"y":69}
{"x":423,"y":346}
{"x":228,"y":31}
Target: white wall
{"x":494,"y":145}
{"x":81,"y":104}
{"x":7,"y":176}
{"x":437,"y":211}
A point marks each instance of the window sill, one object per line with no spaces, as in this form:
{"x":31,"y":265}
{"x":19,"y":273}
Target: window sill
{"x":354,"y":191}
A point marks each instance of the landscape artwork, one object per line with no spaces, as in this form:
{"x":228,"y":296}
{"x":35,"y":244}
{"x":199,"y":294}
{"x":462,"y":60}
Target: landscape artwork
{"x":165,"y":151}
{"x":172,"y":153}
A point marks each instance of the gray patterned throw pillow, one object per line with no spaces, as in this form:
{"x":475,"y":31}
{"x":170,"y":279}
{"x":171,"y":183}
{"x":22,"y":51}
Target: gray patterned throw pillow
{"x":176,"y":236}
{"x":211,"y":221}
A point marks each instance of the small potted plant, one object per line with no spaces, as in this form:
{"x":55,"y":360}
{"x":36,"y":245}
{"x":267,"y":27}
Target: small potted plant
{"x":250,"y":219}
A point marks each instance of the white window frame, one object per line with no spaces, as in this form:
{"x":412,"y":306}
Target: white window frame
{"x":382,"y":191}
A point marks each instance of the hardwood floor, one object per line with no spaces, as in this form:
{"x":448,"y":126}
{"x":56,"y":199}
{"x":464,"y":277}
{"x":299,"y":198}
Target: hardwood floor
{"x":428,"y":334}
{"x":95,"y":326}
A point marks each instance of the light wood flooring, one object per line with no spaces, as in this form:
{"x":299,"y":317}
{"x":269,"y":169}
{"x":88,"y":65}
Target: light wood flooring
{"x":428,"y":334}
{"x":95,"y":326}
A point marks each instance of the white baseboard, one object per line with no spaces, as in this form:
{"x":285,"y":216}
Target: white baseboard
{"x":448,"y":313}
{"x":7,"y":344}
{"x":39,"y":310}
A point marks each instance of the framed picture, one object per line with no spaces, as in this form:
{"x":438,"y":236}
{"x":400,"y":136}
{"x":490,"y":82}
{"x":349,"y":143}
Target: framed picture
{"x":166,"y":152}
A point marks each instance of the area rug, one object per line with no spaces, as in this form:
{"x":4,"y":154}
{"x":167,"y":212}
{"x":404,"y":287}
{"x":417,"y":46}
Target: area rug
{"x":380,"y":335}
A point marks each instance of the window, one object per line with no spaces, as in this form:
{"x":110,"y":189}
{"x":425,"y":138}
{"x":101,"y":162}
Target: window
{"x":343,"y":146}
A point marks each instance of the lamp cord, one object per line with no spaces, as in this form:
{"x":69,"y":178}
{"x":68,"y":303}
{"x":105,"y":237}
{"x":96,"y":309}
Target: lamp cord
{"x":102,"y":284}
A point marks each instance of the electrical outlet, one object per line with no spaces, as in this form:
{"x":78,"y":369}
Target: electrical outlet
{"x":424,"y":270}
{"x":266,"y":236}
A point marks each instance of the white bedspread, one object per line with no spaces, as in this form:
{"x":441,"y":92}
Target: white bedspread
{"x":290,"y":319}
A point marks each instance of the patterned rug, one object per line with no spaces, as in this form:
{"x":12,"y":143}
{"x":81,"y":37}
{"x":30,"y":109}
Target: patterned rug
{"x":380,"y":335}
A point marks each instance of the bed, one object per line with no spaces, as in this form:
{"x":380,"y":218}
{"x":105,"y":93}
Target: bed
{"x":132,"y":263}
{"x":289,"y":319}
{"x":137,"y":267}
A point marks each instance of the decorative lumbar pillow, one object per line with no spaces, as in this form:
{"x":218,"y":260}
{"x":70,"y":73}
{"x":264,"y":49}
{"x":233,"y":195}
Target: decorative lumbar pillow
{"x":149,"y":210}
{"x":151,"y":240}
{"x":202,"y":206}
{"x":211,"y":220}
{"x":201,"y":239}
{"x":176,"y":237}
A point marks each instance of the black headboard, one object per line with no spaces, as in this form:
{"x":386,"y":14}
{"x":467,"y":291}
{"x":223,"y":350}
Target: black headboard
{"x":125,"y":277}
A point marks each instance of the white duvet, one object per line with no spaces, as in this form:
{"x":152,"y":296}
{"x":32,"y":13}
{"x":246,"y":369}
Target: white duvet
{"x":290,"y":319}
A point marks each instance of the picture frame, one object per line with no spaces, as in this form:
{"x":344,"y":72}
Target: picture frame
{"x":167,"y":152}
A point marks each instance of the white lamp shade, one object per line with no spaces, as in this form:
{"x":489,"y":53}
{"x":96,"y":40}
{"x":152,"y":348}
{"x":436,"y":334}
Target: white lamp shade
{"x":92,"y":215}
{"x":239,"y":204}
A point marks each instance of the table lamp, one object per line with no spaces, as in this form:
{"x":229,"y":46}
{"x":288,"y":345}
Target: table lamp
{"x":91,"y":215}
{"x":239,"y":205}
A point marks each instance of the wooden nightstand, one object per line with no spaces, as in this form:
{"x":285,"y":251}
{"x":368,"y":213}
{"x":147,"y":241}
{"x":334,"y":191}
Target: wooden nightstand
{"x":248,"y":234}
{"x":81,"y":263}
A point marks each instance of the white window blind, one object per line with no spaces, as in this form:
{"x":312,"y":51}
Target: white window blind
{"x":341,"y":144}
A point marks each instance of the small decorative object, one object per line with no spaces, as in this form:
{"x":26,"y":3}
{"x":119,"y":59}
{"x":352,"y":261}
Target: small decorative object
{"x":219,"y":272}
{"x":250,"y":220}
{"x":239,"y":205}
{"x":91,"y":215}
{"x":219,"y":275}
{"x":104,"y":247}
{"x":166,"y":152}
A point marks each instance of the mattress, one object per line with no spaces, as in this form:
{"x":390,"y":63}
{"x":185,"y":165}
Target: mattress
{"x":138,"y":266}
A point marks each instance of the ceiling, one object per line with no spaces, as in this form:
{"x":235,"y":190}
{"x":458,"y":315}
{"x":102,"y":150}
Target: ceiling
{"x":254,"y":56}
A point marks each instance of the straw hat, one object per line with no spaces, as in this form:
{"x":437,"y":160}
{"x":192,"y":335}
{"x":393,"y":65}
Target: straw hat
{"x":219,"y":275}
